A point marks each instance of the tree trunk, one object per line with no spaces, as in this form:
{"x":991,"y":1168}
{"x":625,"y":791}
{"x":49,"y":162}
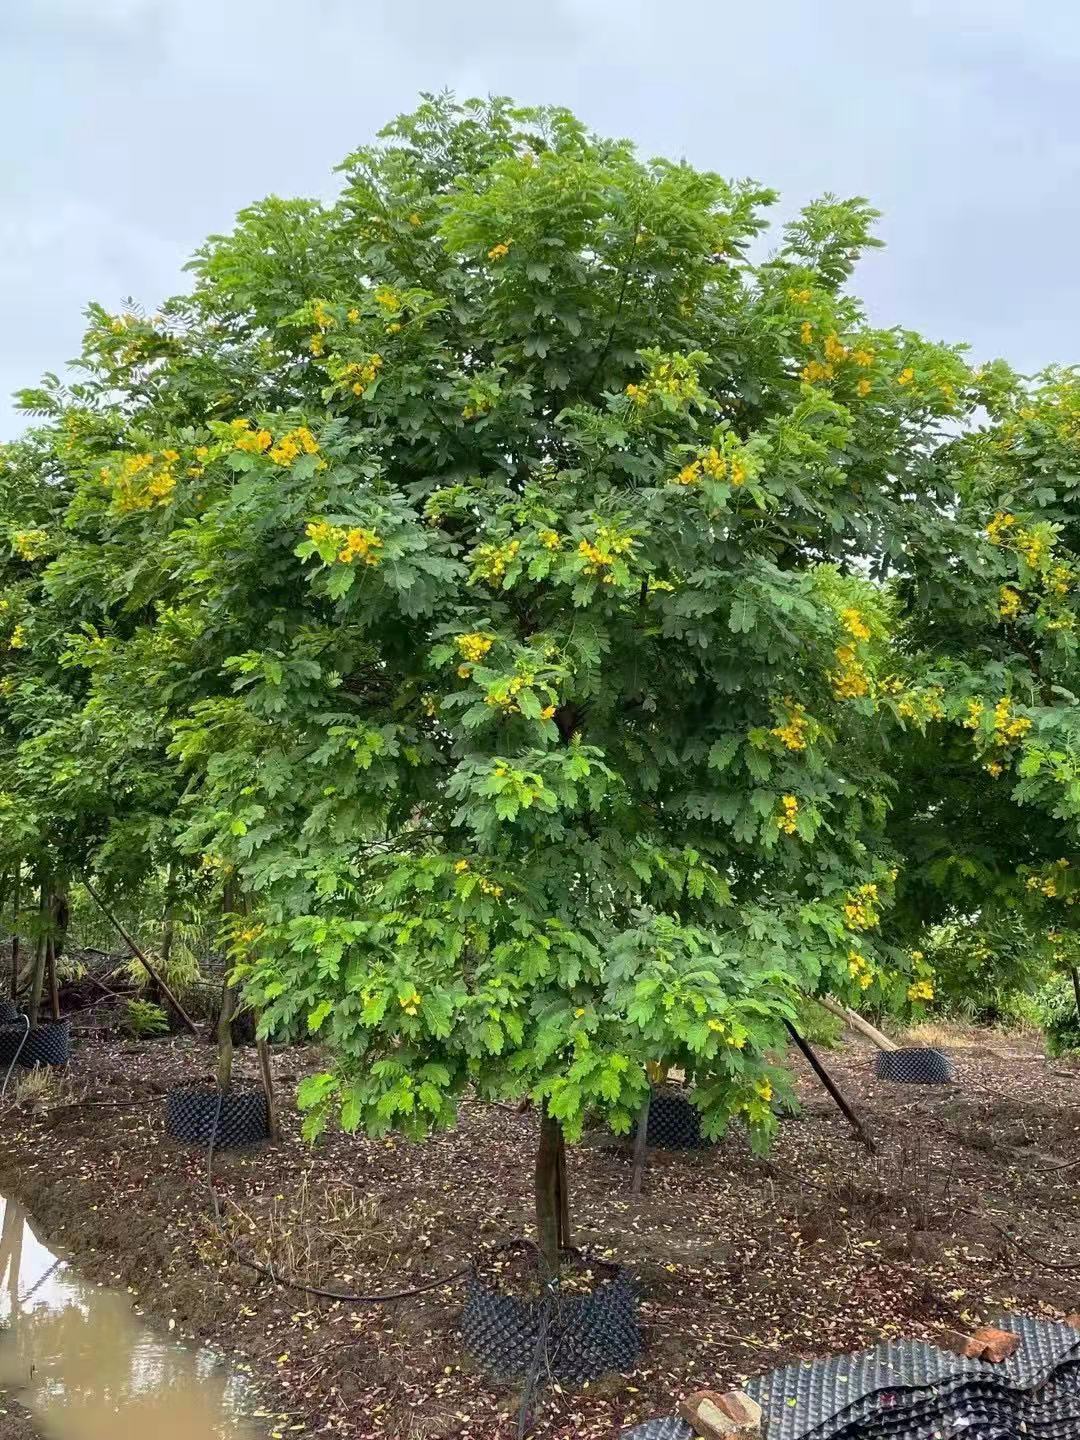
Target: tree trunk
{"x":37,"y":983}
{"x":550,"y":1193}
{"x":54,"y":983}
{"x":15,"y":932}
{"x":641,"y":1143}
{"x":224,"y":1038}
{"x":262,"y":1046}
{"x":1076,"y":989}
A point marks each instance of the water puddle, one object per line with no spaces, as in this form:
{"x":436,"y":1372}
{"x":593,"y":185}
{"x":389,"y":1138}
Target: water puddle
{"x":88,"y":1368}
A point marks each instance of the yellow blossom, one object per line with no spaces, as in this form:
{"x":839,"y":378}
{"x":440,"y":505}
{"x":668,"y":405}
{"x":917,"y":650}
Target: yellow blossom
{"x":360,"y":544}
{"x":475,"y":645}
{"x":17,"y":638}
{"x":789,"y":809}
{"x":864,"y":387}
{"x":806,"y":332}
{"x":548,"y":712}
{"x":792,"y":731}
{"x":30,"y":544}
{"x":920,"y":990}
{"x":353,"y":315}
{"x":862,"y":357}
{"x":499,"y":251}
{"x":550,"y":539}
{"x":906,"y":376}
{"x":1008,"y":602}
{"x":995,"y":530}
{"x":850,"y":681}
{"x":460,"y":866}
{"x":815,"y":371}
{"x":855,"y":625}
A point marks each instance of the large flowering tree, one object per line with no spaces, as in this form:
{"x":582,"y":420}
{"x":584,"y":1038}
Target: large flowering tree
{"x":504,"y":544}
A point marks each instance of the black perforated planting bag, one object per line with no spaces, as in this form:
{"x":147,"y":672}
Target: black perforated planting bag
{"x":674,"y":1122}
{"x":47,"y":1045}
{"x":8,"y":1011}
{"x":568,"y":1339}
{"x":193,"y":1115}
{"x":916,"y":1066}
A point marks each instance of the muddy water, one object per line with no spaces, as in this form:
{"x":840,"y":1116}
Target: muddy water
{"x":87,"y":1368}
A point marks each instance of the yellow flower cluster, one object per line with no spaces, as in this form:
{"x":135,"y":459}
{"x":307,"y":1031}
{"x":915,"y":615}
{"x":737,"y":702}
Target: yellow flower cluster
{"x":860,"y":970}
{"x":356,"y":543}
{"x":860,"y":908}
{"x":491,"y":562}
{"x":973,"y":719}
{"x":1034,"y":546}
{"x":792,"y":732}
{"x":801,"y":297}
{"x":906,"y":376}
{"x":387,"y":298}
{"x":850,"y":681}
{"x":489,"y":887}
{"x":997,"y":529}
{"x":816,"y":370}
{"x":30,"y":544}
{"x":920,"y":990}
{"x":674,"y":378}
{"x":17,"y":638}
{"x":254,"y":442}
{"x":1008,"y":728}
{"x":855,"y":625}
{"x":550,"y":539}
{"x":360,"y":374}
{"x":410,"y":1003}
{"x":731,"y":467}
{"x":1009,"y":601}
{"x":321,"y":316}
{"x":1059,"y":579}
{"x":500,"y":251}
{"x":787,"y":818}
{"x":763,"y":1087}
{"x":475,"y":645}
{"x":141,"y":481}
{"x":360,"y":544}
{"x":602,"y":553}
{"x":297,"y":442}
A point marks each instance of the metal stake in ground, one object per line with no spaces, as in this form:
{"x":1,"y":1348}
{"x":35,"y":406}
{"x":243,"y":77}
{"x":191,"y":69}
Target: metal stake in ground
{"x":831,"y":1086}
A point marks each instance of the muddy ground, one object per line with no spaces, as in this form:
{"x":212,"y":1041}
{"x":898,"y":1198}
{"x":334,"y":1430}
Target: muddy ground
{"x":971,"y":1206}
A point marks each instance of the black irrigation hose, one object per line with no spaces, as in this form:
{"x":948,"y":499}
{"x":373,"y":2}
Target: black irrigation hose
{"x":271,"y":1274}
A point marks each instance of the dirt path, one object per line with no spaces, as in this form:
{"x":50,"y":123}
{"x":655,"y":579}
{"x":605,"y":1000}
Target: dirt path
{"x":744,"y":1263}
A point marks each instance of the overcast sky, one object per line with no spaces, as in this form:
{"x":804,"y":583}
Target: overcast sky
{"x":132,"y":128}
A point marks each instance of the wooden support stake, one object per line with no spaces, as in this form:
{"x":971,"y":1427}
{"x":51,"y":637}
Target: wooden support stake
{"x":262,"y":1046}
{"x":831,"y":1086}
{"x":641,"y":1145}
{"x":115,"y":923}
{"x":15,"y":932}
{"x":856,"y":1021}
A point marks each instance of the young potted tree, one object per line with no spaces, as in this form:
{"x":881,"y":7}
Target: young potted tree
{"x":509,"y":633}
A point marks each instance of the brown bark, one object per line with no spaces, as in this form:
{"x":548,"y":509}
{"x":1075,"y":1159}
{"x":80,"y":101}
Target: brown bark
{"x":549,"y":1204}
{"x":1076,"y":989}
{"x":637,"y":1175}
{"x":54,"y":983}
{"x":37,"y":982}
{"x":224,"y":1037}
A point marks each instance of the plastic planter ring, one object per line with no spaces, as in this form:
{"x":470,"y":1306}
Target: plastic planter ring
{"x":919,"y":1065}
{"x":674,"y":1122}
{"x":569,"y":1338}
{"x":193,"y":1115}
{"x":49,"y":1044}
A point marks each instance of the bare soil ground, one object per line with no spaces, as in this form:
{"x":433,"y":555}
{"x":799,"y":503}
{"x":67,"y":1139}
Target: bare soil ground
{"x":971,"y":1206}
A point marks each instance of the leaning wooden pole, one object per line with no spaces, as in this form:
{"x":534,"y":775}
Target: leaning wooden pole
{"x":856,"y":1021}
{"x":830,"y":1085}
{"x":115,"y":923}
{"x":262,"y":1047}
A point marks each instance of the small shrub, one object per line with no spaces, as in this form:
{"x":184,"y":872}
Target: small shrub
{"x":42,"y":1088}
{"x":1057,"y":1012}
{"x":144,"y":1019}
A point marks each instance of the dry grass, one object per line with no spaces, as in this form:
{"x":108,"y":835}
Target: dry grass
{"x":319,"y":1233}
{"x":937,"y":1034}
{"x":41,"y":1089}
